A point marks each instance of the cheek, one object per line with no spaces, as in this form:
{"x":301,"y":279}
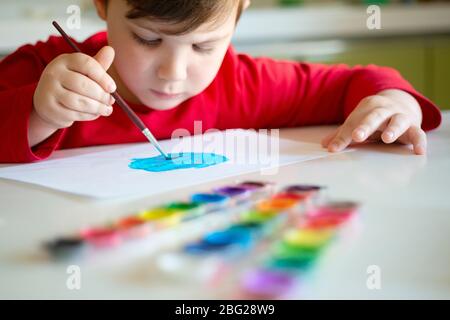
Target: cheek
{"x":130,"y":63}
{"x":130,"y":58}
{"x":205,"y":71}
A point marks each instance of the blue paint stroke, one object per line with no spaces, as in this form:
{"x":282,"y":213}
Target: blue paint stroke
{"x":179,"y":161}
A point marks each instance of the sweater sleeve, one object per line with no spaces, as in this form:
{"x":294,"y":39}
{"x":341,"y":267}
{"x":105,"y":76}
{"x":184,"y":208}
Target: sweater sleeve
{"x":274,"y":94}
{"x":19,"y":75}
{"x":370,"y":80}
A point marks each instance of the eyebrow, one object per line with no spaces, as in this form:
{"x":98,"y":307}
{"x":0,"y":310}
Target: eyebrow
{"x":170,"y":32}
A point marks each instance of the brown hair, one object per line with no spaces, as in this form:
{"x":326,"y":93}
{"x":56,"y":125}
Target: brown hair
{"x":187,"y":14}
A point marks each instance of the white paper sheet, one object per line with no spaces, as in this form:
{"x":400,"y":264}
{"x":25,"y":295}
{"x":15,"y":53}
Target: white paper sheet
{"x":103,"y":172}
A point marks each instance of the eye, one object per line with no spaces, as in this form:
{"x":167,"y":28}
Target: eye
{"x":150,"y":43}
{"x":202,"y":49}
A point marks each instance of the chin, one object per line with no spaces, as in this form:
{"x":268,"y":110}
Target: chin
{"x":162,"y":108}
{"x":162,"y":105}
{"x":157,"y":105}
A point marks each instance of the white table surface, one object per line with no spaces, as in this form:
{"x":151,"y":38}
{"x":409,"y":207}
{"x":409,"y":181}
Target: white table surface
{"x":404,"y":228}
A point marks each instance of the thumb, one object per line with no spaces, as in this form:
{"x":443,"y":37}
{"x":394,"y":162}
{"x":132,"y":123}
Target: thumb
{"x":105,"y":56}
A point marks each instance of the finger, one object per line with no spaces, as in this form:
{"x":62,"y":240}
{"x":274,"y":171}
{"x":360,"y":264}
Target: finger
{"x":397,"y":126}
{"x":105,"y":56}
{"x":67,"y":116}
{"x":83,"y":104}
{"x":325,"y":141}
{"x":370,"y":123}
{"x":342,"y":139}
{"x":418,"y":139}
{"x":91,"y":68}
{"x":82,"y":85}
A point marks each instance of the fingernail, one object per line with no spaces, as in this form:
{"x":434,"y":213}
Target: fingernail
{"x":360,"y":133}
{"x":109,"y":110}
{"x":389,"y":135}
{"x":334,"y":146}
{"x":112,"y":87}
{"x":421,"y":149}
{"x":112,"y":100}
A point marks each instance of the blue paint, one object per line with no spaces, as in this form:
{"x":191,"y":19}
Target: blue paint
{"x":179,"y":161}
{"x":218,"y":241}
{"x":230,"y":236}
{"x":208,"y":198}
{"x":203,"y":247}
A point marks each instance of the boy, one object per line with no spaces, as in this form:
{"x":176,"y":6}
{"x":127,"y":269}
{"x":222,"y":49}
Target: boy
{"x":173,"y":63}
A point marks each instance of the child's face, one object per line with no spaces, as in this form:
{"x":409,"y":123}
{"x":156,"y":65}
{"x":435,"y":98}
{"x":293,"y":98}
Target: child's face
{"x":158,"y":70}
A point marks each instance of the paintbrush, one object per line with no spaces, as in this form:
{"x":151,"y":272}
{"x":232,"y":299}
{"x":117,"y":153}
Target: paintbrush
{"x":121,"y":102}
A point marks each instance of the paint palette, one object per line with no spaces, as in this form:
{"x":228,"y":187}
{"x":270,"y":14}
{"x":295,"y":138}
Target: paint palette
{"x":229,"y":199}
{"x":268,"y":241}
{"x":267,"y":251}
{"x":296,"y":249}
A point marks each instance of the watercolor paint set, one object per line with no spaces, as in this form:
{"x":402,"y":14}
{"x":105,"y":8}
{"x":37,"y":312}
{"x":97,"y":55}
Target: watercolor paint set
{"x":267,"y":238}
{"x":267,"y":251}
{"x":222,"y":201}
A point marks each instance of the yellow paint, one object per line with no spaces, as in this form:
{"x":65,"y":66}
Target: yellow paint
{"x":256,"y":216}
{"x":155,"y":214}
{"x":308,"y":238}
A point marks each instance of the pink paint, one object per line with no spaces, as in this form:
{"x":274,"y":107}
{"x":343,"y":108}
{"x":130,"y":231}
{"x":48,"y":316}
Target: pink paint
{"x":102,"y":237}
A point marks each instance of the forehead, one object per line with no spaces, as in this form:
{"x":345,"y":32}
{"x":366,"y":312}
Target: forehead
{"x":162,"y":28}
{"x":214,"y":23}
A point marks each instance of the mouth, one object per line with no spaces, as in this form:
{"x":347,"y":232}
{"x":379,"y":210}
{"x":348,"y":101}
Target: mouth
{"x":165,"y":96}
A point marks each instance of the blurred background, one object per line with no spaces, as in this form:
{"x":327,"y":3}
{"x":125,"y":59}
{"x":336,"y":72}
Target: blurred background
{"x":414,"y":36}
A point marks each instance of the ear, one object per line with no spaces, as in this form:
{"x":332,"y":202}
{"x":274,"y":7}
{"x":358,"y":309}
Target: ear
{"x":100,"y":6}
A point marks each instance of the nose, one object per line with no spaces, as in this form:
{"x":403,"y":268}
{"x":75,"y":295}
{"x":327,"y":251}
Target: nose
{"x":173,"y":68}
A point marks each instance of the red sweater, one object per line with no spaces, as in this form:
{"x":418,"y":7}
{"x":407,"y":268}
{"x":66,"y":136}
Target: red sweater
{"x":246,"y":93}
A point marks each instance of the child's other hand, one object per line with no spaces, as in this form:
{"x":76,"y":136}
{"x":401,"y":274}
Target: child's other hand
{"x":75,"y":87}
{"x":391,"y":115}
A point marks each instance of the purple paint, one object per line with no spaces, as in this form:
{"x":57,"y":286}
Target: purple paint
{"x":302,"y":188}
{"x":268,"y":283}
{"x":232,"y":191}
{"x":250,"y":185}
